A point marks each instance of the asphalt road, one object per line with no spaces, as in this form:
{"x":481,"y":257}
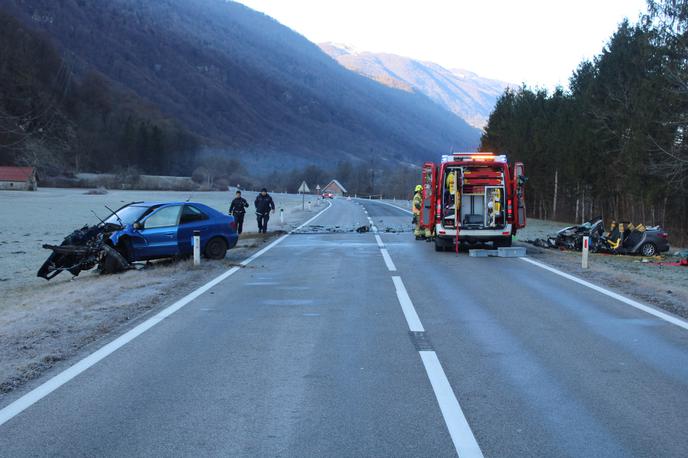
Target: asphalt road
{"x":325,"y":346}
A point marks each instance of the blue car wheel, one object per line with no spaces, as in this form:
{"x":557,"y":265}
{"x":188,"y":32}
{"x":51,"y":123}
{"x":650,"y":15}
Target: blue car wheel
{"x":216,"y":248}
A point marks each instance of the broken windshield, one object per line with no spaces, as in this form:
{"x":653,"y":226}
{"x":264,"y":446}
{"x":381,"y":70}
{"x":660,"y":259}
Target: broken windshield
{"x":128,"y":215}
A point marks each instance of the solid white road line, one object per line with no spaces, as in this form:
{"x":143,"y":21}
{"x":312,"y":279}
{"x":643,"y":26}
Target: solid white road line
{"x":459,"y":429}
{"x":379,"y":241}
{"x":65,"y":376}
{"x":412,"y":319}
{"x":645,"y":308}
{"x":394,"y":206}
{"x":388,"y":260}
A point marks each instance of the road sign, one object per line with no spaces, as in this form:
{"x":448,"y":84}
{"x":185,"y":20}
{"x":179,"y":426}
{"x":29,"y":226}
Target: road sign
{"x":304,"y":188}
{"x":317,"y":189}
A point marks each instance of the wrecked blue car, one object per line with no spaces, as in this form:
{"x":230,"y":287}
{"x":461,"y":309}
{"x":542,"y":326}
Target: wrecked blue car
{"x":142,"y":231}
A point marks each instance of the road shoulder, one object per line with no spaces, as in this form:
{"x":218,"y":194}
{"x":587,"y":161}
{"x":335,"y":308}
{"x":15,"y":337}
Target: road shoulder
{"x":44,"y":330}
{"x":625,"y":275}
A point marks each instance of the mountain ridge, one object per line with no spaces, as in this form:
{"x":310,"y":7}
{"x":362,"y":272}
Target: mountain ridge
{"x":460,"y":91}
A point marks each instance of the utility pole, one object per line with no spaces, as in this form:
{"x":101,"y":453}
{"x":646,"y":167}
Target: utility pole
{"x":556,"y":189}
{"x":372,"y":185}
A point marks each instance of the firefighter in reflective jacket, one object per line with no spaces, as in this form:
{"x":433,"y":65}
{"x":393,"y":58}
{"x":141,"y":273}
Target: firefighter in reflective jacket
{"x":417,"y":204}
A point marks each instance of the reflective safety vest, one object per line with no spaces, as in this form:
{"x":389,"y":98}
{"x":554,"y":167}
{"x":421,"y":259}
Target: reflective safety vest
{"x":450,"y":182}
{"x":417,"y":203}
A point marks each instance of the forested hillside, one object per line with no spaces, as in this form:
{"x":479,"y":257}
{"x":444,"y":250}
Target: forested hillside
{"x":614,"y":144}
{"x":249,"y":86}
{"x":53,"y":121}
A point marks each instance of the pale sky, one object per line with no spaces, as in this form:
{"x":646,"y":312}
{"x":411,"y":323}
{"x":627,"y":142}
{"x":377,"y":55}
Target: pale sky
{"x":539,"y":42}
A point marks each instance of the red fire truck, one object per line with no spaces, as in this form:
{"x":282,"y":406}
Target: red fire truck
{"x":488,"y":193}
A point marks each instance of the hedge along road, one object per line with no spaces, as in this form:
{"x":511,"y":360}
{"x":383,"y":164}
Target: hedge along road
{"x":324,"y":345}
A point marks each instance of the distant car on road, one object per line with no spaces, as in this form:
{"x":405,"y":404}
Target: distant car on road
{"x":151,"y":230}
{"x":327,"y":195}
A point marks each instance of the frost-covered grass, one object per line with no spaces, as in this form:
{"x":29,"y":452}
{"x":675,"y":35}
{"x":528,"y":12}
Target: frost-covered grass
{"x":30,"y":219}
{"x":43,"y":323}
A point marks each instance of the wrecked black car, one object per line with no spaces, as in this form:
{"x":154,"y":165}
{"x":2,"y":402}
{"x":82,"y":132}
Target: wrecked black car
{"x":571,"y":238}
{"x":84,"y":249}
{"x":623,"y":238}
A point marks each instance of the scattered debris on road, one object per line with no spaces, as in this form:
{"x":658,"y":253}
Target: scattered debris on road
{"x":319,"y":229}
{"x":681,"y":263}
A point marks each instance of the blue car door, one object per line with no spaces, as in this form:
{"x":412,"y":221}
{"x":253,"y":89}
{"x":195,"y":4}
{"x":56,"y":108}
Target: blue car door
{"x":160,"y":233}
{"x":192,"y":219}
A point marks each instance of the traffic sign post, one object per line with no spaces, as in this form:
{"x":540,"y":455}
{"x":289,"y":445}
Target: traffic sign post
{"x":303,"y":189}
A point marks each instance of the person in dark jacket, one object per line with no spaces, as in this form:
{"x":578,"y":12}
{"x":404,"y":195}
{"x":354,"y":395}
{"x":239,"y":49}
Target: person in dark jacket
{"x":238,"y":210}
{"x":264,"y":205}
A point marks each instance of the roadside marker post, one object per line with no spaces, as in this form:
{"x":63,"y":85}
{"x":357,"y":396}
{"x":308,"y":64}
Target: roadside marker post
{"x":586,"y":249}
{"x":281,"y":215}
{"x":197,"y":247}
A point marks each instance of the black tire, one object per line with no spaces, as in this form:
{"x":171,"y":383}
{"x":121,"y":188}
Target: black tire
{"x":648,"y":249}
{"x":502,"y":242}
{"x":439,"y":246}
{"x":113,"y":261}
{"x":216,"y":248}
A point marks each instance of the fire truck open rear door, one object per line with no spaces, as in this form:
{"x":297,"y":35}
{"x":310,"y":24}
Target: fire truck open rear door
{"x":427,"y":211}
{"x":519,"y":184}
